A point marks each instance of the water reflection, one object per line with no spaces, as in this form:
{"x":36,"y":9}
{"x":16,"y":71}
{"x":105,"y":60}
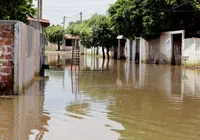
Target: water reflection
{"x":22,"y":115}
{"x":74,"y":111}
{"x":109,"y":100}
{"x":95,"y":64}
{"x":150,"y":101}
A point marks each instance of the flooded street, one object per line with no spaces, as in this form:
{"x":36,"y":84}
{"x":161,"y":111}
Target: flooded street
{"x":111,"y":100}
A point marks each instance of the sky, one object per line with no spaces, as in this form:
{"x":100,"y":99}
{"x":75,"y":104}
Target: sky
{"x":55,"y":10}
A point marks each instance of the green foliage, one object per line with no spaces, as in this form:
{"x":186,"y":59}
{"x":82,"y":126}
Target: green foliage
{"x":94,"y":32}
{"x":16,"y":10}
{"x":54,"y":34}
{"x":83,"y":31}
{"x":148,"y":18}
{"x":103,"y":35}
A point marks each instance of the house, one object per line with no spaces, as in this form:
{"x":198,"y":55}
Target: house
{"x":69,"y":42}
{"x":173,"y":47}
{"x":167,"y":49}
{"x":43,"y":23}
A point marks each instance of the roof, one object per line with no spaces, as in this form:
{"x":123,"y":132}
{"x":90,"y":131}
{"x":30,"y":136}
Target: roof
{"x":67,"y":36}
{"x":44,"y":22}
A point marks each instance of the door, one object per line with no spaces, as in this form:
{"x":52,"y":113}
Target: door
{"x":176,"y":49}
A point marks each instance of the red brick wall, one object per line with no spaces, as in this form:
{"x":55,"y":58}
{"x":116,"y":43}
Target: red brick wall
{"x":7,"y":56}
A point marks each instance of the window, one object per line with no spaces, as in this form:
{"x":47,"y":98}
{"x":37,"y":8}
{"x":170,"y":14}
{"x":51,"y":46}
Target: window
{"x":68,"y":42}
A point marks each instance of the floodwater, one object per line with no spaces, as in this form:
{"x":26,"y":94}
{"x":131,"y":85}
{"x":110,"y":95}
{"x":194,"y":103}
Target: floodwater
{"x":111,"y":100}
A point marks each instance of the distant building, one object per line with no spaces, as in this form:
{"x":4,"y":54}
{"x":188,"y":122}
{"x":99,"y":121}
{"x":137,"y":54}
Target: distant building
{"x":69,"y":42}
{"x":43,"y":23}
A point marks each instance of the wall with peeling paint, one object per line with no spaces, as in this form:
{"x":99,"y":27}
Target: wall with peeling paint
{"x":160,"y":49}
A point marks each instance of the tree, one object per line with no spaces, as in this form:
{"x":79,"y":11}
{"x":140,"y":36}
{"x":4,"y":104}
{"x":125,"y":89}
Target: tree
{"x":54,"y":34}
{"x":95,"y":32}
{"x":82,"y":30}
{"x":103,"y":35}
{"x":16,"y":10}
{"x":148,"y":18}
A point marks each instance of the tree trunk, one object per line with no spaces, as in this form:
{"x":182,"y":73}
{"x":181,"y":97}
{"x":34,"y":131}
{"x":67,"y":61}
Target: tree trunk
{"x":103,"y":53}
{"x":97,"y":52}
{"x":58,"y":46}
{"x":107,"y":51}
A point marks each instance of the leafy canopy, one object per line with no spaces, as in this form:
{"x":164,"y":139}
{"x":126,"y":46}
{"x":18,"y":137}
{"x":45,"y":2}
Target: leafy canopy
{"x":54,"y":34}
{"x":148,"y":18}
{"x":16,"y":10}
{"x":95,"y":32}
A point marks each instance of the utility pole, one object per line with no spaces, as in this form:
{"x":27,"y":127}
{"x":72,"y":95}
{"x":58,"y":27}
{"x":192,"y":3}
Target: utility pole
{"x":81,"y":16}
{"x":64,"y":21}
{"x":38,"y":14}
{"x":41,"y":5}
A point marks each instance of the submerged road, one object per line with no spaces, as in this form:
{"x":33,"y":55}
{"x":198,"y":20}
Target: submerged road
{"x":111,"y":100}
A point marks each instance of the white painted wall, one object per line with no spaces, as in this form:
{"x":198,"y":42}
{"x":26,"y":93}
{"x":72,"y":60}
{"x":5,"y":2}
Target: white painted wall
{"x":130,"y":46}
{"x":29,"y":55}
{"x":91,"y":52}
{"x":144,"y":50}
{"x":160,"y":49}
{"x":192,"y":50}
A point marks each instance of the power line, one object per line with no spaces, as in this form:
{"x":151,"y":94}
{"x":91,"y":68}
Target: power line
{"x":193,"y":24}
{"x":57,"y":16}
{"x":177,"y":6}
{"x":168,"y":10}
{"x":81,"y":6}
{"x":70,"y":10}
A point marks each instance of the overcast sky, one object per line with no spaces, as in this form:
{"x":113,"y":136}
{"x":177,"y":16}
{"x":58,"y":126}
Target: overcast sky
{"x":55,"y":10}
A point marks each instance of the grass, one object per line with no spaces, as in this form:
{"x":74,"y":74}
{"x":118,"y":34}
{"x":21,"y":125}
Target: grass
{"x":0,"y":62}
{"x":50,"y":49}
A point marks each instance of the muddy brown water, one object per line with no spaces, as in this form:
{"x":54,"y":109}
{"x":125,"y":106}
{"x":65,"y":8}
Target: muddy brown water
{"x":111,"y":100}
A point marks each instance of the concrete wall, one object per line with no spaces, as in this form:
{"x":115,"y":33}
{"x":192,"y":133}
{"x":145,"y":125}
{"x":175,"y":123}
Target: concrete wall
{"x":93,"y":51}
{"x":160,"y":49}
{"x":51,"y":45}
{"x":20,"y":56}
{"x":154,"y":50}
{"x":130,"y":49}
{"x":144,"y":50}
{"x":29,"y":55}
{"x":192,"y":51}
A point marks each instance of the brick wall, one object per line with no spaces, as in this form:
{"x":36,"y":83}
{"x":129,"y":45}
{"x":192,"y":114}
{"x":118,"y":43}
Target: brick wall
{"x":6,"y":56}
